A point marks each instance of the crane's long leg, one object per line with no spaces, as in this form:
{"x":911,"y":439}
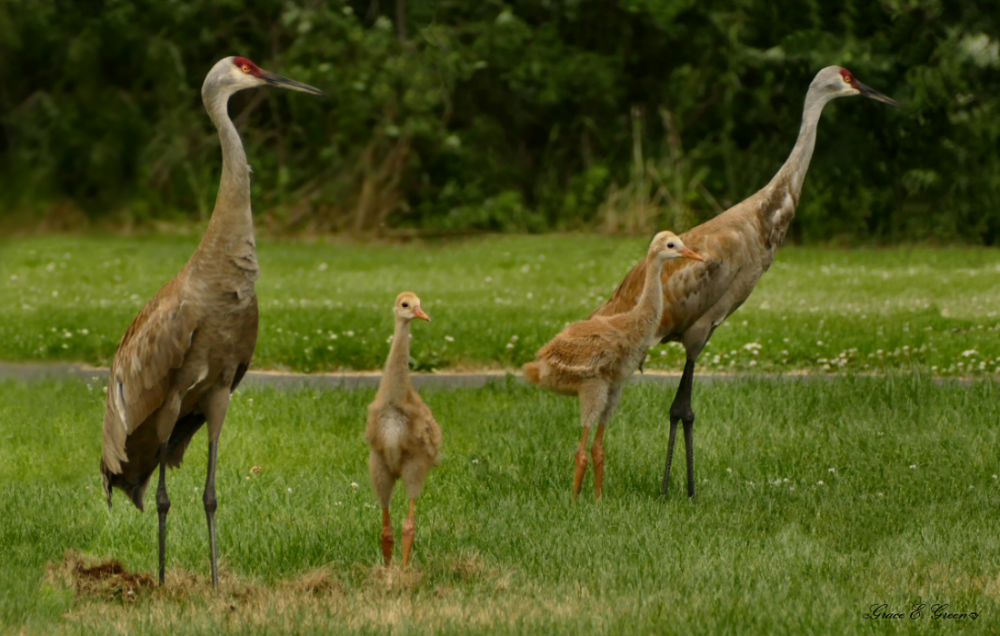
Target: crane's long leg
{"x":387,"y":538}
{"x":211,"y":504}
{"x":162,"y":508}
{"x":409,"y":533}
{"x":680,"y":411}
{"x":383,"y":482}
{"x":689,"y":451}
{"x":597,"y":450}
{"x":670,"y":453}
{"x":597,"y":453}
{"x":593,"y":402}
{"x":216,"y":405}
{"x":581,"y":462}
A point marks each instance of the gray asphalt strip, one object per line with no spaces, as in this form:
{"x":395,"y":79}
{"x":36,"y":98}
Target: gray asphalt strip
{"x":29,"y":372}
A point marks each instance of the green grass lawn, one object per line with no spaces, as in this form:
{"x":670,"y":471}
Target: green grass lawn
{"x":816,"y":500}
{"x":495,"y":300}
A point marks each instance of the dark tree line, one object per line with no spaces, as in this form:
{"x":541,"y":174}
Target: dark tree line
{"x":457,"y":115}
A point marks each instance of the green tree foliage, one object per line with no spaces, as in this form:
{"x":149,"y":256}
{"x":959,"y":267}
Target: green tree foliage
{"x":456,"y":115}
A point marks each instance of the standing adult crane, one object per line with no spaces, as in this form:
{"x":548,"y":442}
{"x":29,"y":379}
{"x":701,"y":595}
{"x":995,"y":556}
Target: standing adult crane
{"x":190,"y":346}
{"x":738,"y":246}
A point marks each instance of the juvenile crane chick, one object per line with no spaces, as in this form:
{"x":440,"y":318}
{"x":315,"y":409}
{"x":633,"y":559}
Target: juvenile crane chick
{"x":595,"y":358}
{"x":404,"y":438}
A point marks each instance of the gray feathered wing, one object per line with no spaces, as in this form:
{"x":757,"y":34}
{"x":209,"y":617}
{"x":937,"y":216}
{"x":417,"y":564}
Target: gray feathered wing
{"x":149,"y":355}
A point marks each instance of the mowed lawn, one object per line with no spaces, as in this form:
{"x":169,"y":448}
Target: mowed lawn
{"x":495,"y":300}
{"x":817,"y":500}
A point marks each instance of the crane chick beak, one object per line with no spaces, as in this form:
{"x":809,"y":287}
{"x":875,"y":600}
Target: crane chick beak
{"x":874,"y":94}
{"x":688,"y":253}
{"x":419,"y":313}
{"x":273,"y":79}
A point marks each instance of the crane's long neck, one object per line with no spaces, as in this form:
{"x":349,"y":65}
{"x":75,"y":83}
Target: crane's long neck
{"x":395,"y":382}
{"x":231,"y":219}
{"x":649,"y":309}
{"x":793,"y":173}
{"x":781,"y":195}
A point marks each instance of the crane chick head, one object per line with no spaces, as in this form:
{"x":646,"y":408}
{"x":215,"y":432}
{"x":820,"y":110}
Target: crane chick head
{"x":667,"y":245}
{"x":232,"y":74}
{"x":408,"y":307}
{"x":836,"y":81}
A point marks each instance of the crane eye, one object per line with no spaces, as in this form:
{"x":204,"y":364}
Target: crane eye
{"x":246,"y":69}
{"x":406,"y":304}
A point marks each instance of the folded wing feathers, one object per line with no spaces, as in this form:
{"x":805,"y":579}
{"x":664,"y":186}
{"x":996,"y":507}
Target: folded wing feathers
{"x":585,"y":349}
{"x":150,"y":352}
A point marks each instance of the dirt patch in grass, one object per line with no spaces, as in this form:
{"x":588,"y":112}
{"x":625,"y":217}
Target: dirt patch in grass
{"x":459,"y":591}
{"x":93,"y":578}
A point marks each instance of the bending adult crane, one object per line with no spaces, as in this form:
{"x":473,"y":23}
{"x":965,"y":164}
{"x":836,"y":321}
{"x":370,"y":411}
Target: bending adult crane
{"x":190,"y":346}
{"x":738,"y":247}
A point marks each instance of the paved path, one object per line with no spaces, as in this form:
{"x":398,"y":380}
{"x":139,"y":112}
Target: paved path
{"x":370,"y":379}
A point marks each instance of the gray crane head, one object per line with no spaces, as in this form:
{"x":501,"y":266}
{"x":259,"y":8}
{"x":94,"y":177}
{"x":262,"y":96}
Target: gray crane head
{"x":232,"y":74}
{"x":667,"y":245}
{"x":836,"y":81}
{"x":408,"y":307}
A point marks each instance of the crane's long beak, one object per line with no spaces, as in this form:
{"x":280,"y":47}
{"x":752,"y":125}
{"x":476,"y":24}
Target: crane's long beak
{"x":419,"y":313}
{"x":874,"y":94}
{"x":688,"y":253}
{"x":283,"y":82}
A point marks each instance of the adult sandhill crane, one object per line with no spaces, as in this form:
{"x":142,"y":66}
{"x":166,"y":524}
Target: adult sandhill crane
{"x":595,"y":358}
{"x":404,"y":437}
{"x":190,"y":346}
{"x":738,"y":246}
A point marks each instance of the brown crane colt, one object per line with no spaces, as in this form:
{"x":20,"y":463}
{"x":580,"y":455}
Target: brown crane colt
{"x":595,"y":358}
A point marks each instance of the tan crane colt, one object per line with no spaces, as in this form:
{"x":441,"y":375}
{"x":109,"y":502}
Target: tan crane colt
{"x":404,"y":437}
{"x":189,"y":347}
{"x":595,"y":358}
{"x":738,"y":246}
